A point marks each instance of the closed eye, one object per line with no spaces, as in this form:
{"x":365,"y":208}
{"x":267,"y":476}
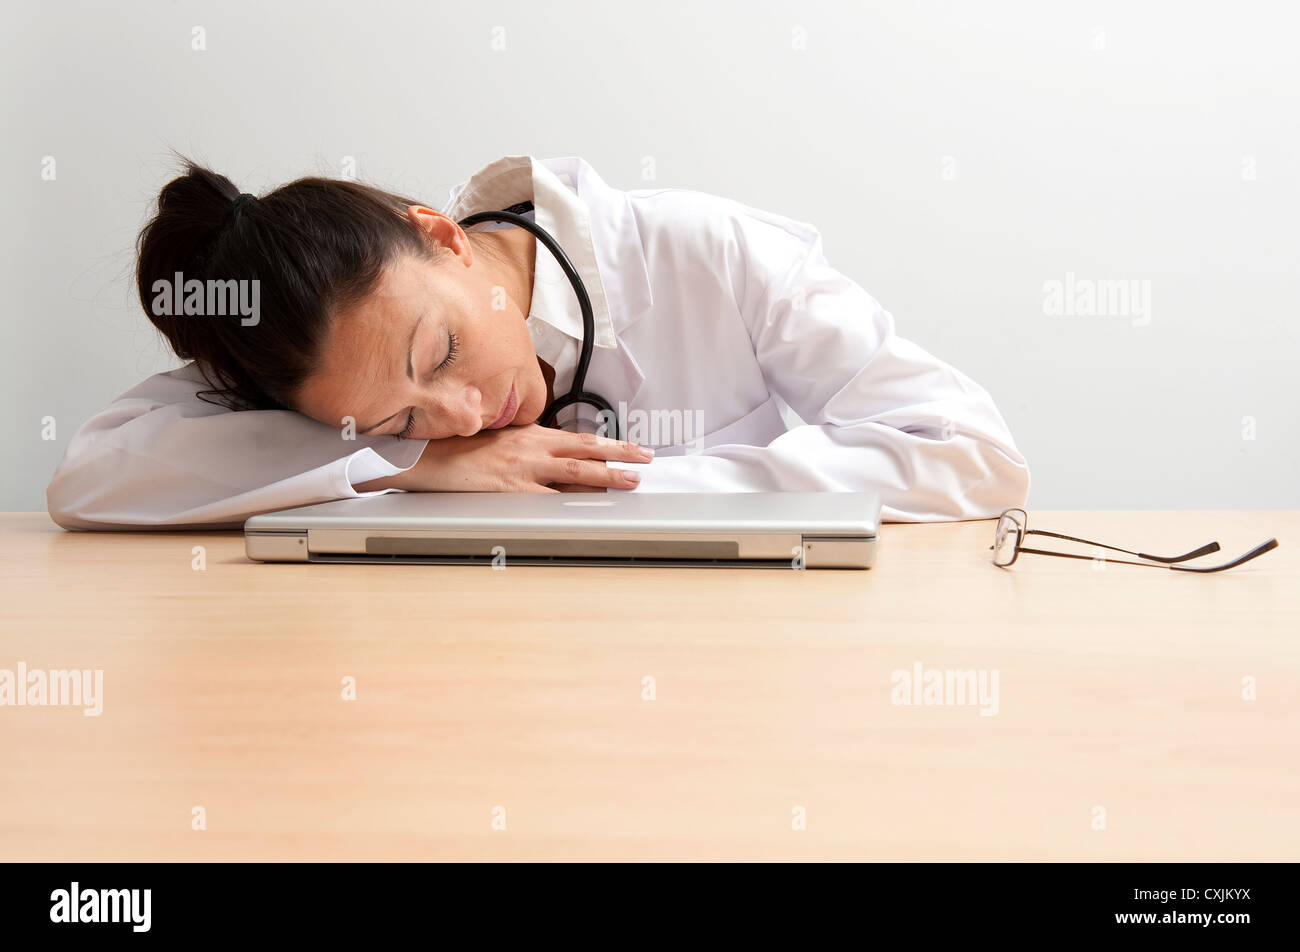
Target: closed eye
{"x":453,"y":351}
{"x":410,"y":425}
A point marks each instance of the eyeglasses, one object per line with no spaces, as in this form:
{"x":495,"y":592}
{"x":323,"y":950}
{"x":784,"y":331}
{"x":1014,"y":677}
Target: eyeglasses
{"x":1013,"y":526}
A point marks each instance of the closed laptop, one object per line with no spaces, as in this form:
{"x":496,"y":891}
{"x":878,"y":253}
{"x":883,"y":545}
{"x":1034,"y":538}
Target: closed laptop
{"x":776,"y":530}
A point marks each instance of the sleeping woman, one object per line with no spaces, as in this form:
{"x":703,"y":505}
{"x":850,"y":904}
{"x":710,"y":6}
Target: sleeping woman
{"x":376,"y":345}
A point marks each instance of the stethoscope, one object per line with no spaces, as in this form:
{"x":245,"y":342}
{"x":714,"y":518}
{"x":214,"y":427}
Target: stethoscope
{"x":576,"y":393}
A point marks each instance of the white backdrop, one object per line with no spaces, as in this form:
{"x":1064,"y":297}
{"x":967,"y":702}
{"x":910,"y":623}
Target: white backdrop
{"x":983,"y":169}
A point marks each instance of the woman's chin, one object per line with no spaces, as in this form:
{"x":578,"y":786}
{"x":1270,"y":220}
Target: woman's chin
{"x":530,"y":411}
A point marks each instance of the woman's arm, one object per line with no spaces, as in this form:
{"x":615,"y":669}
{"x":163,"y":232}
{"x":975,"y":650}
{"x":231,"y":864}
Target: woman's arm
{"x":881,"y":413}
{"x":158,"y":456}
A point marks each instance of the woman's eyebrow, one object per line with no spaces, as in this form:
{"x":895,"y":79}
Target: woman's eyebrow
{"x":410,"y":366}
{"x":410,"y":348}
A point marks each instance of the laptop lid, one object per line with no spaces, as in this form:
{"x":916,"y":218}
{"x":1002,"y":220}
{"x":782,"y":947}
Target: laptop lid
{"x":779,"y":530}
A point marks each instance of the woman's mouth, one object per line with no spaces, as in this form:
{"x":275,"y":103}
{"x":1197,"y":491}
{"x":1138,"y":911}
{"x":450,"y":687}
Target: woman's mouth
{"x":508,"y":414}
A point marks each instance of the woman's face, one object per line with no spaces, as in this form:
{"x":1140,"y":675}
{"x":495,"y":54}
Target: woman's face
{"x":436,"y":349}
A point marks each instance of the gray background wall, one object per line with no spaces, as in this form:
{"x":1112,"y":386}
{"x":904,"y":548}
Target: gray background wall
{"x":956,"y":156}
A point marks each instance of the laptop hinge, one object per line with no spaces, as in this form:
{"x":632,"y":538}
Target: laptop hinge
{"x":836,"y":552}
{"x":269,"y":545}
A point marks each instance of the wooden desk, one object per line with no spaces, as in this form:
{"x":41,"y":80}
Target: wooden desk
{"x":1119,"y":687}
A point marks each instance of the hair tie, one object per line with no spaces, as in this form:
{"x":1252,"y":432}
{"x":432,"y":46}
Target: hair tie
{"x":238,"y":204}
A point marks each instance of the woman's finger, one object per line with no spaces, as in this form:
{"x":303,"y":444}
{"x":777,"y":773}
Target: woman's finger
{"x":586,"y":473}
{"x":591,"y":446}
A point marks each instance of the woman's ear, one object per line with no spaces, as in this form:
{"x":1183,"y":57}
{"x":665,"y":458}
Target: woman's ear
{"x":440,"y":231}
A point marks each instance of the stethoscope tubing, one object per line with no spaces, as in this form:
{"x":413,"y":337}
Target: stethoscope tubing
{"x":577,"y":394}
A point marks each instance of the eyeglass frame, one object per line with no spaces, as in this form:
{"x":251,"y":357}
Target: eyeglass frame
{"x":1022,"y":530}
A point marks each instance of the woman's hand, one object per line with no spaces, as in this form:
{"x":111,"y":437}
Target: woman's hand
{"x":529,"y":459}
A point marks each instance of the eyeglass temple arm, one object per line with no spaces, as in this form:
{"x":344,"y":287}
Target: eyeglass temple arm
{"x":1195,"y":554}
{"x":1257,"y":551}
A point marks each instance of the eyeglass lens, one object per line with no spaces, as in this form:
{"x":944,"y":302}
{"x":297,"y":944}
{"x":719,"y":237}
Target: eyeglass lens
{"x":1004,"y":547}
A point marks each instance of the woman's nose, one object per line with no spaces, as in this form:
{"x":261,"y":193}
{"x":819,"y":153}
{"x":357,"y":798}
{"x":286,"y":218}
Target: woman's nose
{"x":468,"y":413}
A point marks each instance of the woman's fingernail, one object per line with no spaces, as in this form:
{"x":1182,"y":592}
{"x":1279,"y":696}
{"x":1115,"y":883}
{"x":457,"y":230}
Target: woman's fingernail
{"x":647,"y":452}
{"x":631,"y":477}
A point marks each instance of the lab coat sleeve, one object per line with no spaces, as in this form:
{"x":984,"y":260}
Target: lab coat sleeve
{"x":159,"y":457}
{"x":880,"y":412}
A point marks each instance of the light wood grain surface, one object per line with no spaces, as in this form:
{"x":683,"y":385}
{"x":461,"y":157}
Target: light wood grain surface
{"x":520,"y":695}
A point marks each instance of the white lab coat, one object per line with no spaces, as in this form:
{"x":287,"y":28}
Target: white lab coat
{"x":708,"y":312}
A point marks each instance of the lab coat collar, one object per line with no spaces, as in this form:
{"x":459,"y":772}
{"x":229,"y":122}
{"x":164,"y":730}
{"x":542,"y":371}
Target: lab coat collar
{"x":592,"y":222}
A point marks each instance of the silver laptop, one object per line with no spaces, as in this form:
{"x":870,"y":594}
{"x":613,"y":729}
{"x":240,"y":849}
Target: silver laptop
{"x":776,"y":530}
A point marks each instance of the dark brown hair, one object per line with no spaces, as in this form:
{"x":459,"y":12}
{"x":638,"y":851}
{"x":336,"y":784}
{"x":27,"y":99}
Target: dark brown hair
{"x":316,"y":246}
